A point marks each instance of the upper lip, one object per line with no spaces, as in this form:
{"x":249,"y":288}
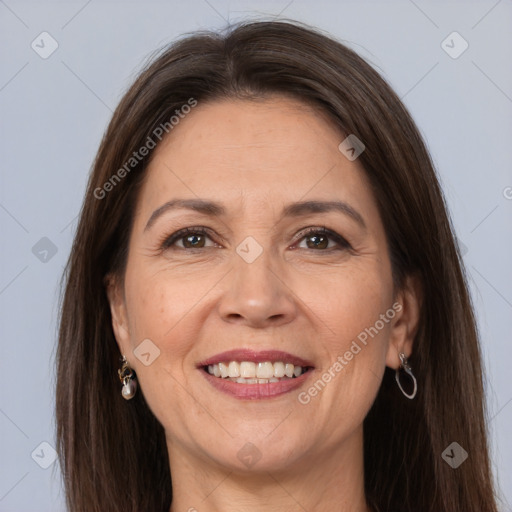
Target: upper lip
{"x":260,"y":356}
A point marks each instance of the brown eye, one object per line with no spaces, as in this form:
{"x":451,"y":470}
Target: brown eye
{"x":317,"y":241}
{"x":193,"y":241}
{"x":320,"y":238}
{"x":188,"y":238}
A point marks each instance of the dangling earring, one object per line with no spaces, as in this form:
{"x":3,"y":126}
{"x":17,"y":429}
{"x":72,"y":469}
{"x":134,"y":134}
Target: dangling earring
{"x":127,"y":378}
{"x":405,"y":365}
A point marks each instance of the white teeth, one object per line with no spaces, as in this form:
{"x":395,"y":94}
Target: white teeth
{"x":265,"y":370}
{"x":223,"y":368}
{"x":234,"y":369}
{"x":248,"y":369}
{"x":241,"y":380}
{"x":248,"y":372}
{"x":278,"y":369}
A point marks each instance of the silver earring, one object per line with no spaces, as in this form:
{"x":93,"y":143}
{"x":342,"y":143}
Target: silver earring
{"x":127,"y":378}
{"x":404,"y":364}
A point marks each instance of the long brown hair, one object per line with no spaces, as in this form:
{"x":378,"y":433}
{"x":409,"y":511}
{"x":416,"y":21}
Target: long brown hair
{"x":113,"y":454}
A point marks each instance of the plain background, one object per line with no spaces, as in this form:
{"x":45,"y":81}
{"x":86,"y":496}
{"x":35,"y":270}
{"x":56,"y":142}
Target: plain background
{"x":54,"y":112}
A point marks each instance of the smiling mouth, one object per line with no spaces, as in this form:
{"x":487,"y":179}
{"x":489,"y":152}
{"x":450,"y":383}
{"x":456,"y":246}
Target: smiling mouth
{"x":249,"y":372}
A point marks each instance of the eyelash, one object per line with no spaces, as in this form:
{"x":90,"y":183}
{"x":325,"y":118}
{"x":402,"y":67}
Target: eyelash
{"x":169,"y":241}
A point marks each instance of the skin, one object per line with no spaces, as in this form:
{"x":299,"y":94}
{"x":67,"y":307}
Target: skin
{"x":255,"y":157}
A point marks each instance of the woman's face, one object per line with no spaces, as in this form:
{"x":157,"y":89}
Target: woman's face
{"x":256,"y":276}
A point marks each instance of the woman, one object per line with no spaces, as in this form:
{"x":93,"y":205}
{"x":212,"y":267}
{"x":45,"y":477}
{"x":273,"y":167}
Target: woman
{"x":265,"y":308}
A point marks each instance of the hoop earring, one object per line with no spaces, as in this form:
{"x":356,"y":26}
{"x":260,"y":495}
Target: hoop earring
{"x":404,"y":364}
{"x":126,"y":376}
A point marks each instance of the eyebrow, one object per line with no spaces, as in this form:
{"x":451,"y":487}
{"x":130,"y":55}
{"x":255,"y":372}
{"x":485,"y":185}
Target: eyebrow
{"x":298,"y":209}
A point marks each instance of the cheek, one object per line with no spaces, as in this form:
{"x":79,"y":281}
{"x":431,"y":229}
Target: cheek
{"x":346,"y":302}
{"x":354,"y":340}
{"x":157,"y":308}
{"x":158,"y":302}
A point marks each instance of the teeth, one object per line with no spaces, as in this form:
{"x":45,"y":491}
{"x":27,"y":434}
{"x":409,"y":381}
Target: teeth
{"x":233,"y":369}
{"x":247,"y":369}
{"x":241,"y":380}
{"x":279,"y":370}
{"x":223,"y":369}
{"x":265,"y":370}
{"x":248,"y":372}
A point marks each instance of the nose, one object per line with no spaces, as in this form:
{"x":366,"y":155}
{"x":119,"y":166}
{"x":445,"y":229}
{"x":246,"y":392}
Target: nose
{"x":257,"y":295}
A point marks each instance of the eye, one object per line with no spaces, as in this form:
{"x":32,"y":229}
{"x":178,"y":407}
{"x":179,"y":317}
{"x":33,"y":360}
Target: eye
{"x":189,"y":238}
{"x":317,"y":238}
{"x":321,"y":238}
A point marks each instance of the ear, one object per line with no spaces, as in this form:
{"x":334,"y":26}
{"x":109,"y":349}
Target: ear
{"x":116,"y":299}
{"x":404,"y":325}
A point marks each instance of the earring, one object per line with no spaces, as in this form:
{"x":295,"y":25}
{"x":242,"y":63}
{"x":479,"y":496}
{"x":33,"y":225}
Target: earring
{"x":127,"y":378}
{"x":405,"y":365}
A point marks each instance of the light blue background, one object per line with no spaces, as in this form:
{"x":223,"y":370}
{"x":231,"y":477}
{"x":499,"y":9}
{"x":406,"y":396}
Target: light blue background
{"x":54,"y":112}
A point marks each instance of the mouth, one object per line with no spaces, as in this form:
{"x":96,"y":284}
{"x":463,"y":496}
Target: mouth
{"x":250,"y":375}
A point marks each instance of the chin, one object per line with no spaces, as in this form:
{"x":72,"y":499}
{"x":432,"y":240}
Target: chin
{"x":256,"y":451}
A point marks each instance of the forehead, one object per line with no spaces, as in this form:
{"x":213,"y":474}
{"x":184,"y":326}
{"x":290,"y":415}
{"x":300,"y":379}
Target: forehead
{"x":271,"y":151}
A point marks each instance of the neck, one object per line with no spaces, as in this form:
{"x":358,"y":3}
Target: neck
{"x":331,"y":480}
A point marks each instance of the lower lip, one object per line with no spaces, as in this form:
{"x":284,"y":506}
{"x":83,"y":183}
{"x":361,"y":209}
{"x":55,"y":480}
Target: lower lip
{"x":256,"y":391}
